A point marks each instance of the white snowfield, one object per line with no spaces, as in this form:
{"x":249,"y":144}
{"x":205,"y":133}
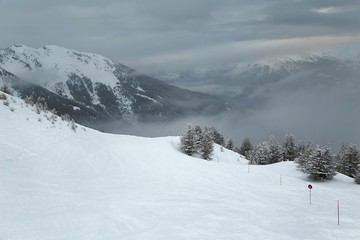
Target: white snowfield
{"x":59,"y":184}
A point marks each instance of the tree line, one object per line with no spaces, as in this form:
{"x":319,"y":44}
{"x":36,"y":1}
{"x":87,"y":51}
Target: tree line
{"x":317,"y":161}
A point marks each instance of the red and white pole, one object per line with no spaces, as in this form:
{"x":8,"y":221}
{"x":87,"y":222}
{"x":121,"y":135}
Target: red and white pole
{"x":338,"y":211}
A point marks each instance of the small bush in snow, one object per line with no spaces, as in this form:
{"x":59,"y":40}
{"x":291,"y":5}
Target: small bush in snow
{"x":73,"y":125}
{"x":29,"y":100}
{"x":6,"y":103}
{"x":41,"y":105}
{"x":3,"y":96}
{"x":4,"y":88}
{"x":53,"y":118}
{"x":65,"y":117}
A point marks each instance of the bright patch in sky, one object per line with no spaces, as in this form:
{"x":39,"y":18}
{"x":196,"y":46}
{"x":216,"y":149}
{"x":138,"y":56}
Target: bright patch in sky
{"x":327,"y":10}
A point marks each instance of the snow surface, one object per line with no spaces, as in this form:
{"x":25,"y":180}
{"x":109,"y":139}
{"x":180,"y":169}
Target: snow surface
{"x":59,"y":184}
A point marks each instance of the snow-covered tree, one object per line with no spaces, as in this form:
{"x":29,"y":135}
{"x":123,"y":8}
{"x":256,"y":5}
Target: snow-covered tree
{"x":3,"y":96}
{"x":348,"y":160}
{"x":266,"y":152}
{"x":321,"y":164}
{"x":198,"y":136}
{"x":230,"y":144}
{"x":259,"y":155}
{"x":41,"y":105}
{"x":275,"y":151}
{"x":29,"y":99}
{"x":357,"y":175}
{"x":217,"y":137}
{"x":246,"y":147}
{"x":73,"y":125}
{"x":6,"y":89}
{"x":305,"y":149}
{"x":207,"y":144}
{"x":187,"y":141}
{"x":289,"y":146}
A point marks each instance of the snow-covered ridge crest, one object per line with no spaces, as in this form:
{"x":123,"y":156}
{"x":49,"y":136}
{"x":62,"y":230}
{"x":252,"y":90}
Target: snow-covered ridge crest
{"x":71,"y":74}
{"x":59,"y":62}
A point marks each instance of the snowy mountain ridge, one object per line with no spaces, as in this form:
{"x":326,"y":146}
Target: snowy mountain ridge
{"x":57,"y":183}
{"x":21,"y":59}
{"x":52,"y":66}
{"x":103,"y":90}
{"x":289,"y":64}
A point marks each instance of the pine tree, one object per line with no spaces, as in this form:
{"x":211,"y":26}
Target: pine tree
{"x":357,"y":175}
{"x":216,"y":136}
{"x":29,"y":99}
{"x":41,"y":105}
{"x":289,"y":146}
{"x":305,"y":149}
{"x":275,"y":150}
{"x":266,"y":152}
{"x":73,"y":125}
{"x":348,"y":160}
{"x":198,"y":136}
{"x":187,"y":141}
{"x":246,"y":147}
{"x":207,"y":145}
{"x":6,"y":89}
{"x":321,"y":164}
{"x":230,"y":144}
{"x":259,"y":155}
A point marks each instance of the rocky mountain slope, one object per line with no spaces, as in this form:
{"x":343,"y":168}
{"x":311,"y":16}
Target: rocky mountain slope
{"x":93,"y":88}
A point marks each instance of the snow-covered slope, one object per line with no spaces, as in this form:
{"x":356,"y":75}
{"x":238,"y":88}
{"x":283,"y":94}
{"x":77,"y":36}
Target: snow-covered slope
{"x":56,"y":183}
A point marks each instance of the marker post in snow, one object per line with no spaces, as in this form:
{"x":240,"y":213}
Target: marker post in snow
{"x":310,"y":187}
{"x":338,"y":211}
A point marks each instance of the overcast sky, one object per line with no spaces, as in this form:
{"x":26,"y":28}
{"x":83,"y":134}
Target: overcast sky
{"x":169,"y":35}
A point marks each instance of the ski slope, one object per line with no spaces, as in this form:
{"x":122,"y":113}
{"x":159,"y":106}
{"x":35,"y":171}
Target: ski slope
{"x":59,"y":184}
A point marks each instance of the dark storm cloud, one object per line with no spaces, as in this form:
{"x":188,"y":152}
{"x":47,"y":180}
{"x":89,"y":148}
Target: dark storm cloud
{"x":160,"y":35}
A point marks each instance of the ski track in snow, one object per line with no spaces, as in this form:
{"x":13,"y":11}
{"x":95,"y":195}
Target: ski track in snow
{"x":59,"y":184}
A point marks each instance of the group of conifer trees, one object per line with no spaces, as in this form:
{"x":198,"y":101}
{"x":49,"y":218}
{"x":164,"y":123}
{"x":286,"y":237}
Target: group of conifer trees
{"x":318,"y":162}
{"x":197,"y":140}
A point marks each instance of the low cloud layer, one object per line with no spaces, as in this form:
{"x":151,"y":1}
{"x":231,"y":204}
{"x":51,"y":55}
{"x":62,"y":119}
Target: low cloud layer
{"x":323,"y":112}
